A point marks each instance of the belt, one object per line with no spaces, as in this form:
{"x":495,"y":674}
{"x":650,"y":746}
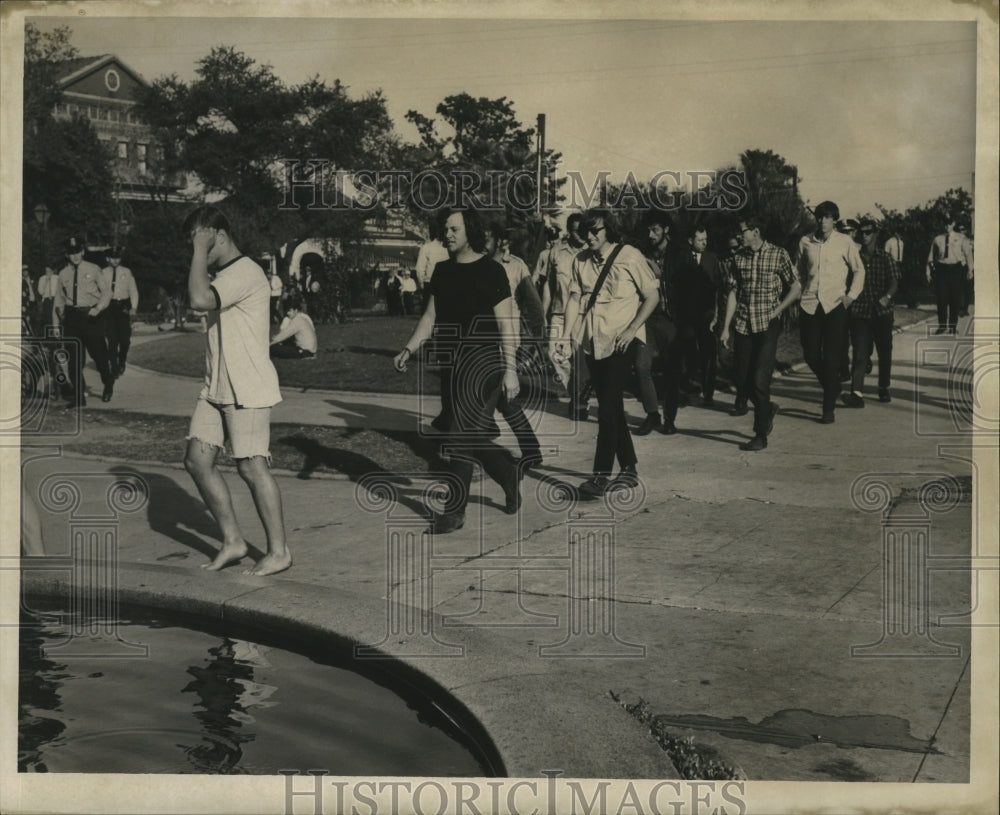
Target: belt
{"x":123,"y":300}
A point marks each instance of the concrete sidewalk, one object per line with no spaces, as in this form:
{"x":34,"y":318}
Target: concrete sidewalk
{"x":727,"y":593}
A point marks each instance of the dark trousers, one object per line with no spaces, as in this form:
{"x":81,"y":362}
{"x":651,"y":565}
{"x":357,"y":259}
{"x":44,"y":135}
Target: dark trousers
{"x":276,"y":309}
{"x":867,"y":332}
{"x":119,"y":325}
{"x":92,"y":336}
{"x":663,"y":338}
{"x":823,"y":336}
{"x":464,"y":446}
{"x":289,"y":350}
{"x":701,"y":353}
{"x":642,"y":362}
{"x":753,"y":366}
{"x":609,"y":377}
{"x":949,"y":285}
{"x":579,"y":386}
{"x":513,"y":414}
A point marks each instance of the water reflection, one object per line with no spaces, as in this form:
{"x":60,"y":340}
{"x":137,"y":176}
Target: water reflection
{"x":39,"y":682}
{"x":227,"y":692}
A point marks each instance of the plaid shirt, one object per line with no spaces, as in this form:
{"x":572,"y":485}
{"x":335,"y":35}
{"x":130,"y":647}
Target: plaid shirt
{"x":760,"y":279}
{"x":880,"y":271}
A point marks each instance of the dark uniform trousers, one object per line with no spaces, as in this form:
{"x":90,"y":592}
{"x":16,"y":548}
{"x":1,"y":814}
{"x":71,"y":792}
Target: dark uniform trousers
{"x":91,"y":334}
{"x":119,"y":326}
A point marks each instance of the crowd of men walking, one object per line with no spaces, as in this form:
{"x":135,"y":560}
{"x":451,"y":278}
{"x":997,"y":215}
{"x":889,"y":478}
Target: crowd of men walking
{"x":89,"y":309}
{"x":620,"y":316}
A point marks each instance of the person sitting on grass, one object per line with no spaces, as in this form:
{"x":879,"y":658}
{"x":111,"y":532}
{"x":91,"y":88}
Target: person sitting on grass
{"x":296,"y":338}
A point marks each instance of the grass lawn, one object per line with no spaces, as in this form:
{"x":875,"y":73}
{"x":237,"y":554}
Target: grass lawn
{"x":354,"y":356}
{"x":304,"y":449}
{"x":357,"y":356}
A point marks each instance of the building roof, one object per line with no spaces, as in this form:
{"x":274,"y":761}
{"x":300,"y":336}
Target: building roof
{"x":70,"y":70}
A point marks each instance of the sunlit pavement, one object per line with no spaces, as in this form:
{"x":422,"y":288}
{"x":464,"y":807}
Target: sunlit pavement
{"x":742,"y":595}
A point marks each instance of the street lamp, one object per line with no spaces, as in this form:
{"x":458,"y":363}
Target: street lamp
{"x":42,"y":216}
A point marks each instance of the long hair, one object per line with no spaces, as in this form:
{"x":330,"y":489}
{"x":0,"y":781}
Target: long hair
{"x":475,"y":230}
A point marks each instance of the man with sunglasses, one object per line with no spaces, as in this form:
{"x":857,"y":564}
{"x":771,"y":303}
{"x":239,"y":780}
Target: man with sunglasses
{"x":605,"y":314}
{"x":870,"y":317}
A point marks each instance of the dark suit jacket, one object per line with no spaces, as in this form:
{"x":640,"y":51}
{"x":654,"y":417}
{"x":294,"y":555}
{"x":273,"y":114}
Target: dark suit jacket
{"x":697,"y":287}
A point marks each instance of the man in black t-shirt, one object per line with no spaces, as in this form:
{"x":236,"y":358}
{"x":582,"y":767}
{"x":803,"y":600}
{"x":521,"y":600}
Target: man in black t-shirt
{"x":469,"y":312}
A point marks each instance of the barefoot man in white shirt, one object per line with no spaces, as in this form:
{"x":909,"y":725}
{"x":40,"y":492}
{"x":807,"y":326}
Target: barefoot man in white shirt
{"x":241,"y":386}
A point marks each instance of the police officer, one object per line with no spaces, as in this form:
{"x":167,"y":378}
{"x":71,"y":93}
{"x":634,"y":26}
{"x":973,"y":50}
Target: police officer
{"x":124,"y":301}
{"x":82,"y":298}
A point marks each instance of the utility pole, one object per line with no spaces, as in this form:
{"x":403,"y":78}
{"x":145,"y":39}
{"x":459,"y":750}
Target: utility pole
{"x":538,"y":164}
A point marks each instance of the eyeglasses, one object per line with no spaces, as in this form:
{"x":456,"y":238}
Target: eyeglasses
{"x":747,"y":229}
{"x":595,"y":230}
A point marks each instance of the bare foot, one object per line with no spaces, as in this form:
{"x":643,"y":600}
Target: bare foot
{"x":270,"y":564}
{"x":229,"y":553}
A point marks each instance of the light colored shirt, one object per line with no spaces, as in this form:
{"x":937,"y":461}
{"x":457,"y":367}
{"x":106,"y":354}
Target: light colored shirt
{"x":950,"y":248}
{"x":238,"y":368}
{"x":88,"y":290}
{"x":301,"y":327}
{"x":560,"y":264}
{"x":618,"y":301}
{"x":122,"y":284}
{"x":894,"y":248}
{"x":824,"y":267}
{"x":47,"y":285}
{"x":430,"y":255}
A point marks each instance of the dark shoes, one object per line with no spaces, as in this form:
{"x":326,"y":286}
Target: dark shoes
{"x":593,"y":488}
{"x":941,"y":330}
{"x":852,"y":400}
{"x":883,"y":395}
{"x":512,"y":491}
{"x":755,"y":444}
{"x":596,"y":486}
{"x":649,"y":424}
{"x":739,"y":409}
{"x":827,"y":418}
{"x":109,"y":391}
{"x":770,"y":421}
{"x":627,"y":479}
{"x":447,"y":522}
{"x":708,"y":402}
{"x":668,"y":428}
{"x":578,"y":413}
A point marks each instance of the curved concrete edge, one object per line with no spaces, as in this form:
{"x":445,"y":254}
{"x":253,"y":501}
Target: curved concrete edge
{"x":532,"y":719}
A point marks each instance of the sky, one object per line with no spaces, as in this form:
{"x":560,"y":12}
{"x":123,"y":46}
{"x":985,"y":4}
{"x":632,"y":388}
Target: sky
{"x":870,"y":112}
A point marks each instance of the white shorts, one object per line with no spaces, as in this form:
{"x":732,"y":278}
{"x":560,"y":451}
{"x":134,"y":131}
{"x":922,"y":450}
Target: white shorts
{"x":248,"y":430}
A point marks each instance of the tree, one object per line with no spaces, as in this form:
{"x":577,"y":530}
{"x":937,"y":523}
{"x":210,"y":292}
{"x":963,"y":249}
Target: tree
{"x":65,"y":166}
{"x":237,"y":124}
{"x":918,"y":226}
{"x":483,"y":136}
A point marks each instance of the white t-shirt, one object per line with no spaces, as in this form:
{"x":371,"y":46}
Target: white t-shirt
{"x":238,"y":368}
{"x":301,"y":328}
